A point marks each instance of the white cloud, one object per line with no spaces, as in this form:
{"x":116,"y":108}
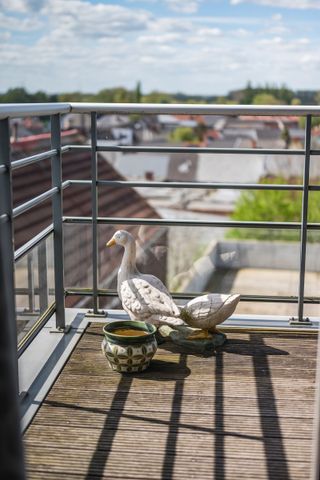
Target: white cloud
{"x":298,"y":4}
{"x":5,"y":36}
{"x":183,"y":6}
{"x":20,"y":25}
{"x":21,"y":6}
{"x":87,"y":19}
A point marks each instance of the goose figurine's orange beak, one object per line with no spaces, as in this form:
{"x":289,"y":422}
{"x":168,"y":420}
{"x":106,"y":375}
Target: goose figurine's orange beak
{"x":111,"y":243}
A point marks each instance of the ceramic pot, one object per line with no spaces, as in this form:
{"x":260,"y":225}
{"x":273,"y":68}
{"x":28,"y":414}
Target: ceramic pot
{"x":129,"y":354}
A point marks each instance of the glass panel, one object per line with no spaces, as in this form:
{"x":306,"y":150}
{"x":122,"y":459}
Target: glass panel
{"x":77,"y":255}
{"x":312,"y":277}
{"x":201,"y":259}
{"x":34,"y":283}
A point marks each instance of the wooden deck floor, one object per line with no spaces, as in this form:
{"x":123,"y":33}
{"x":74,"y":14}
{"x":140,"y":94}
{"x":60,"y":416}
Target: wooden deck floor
{"x":244,"y":414}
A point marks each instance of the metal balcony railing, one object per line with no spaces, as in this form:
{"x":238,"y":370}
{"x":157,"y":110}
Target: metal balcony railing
{"x":7,"y":214}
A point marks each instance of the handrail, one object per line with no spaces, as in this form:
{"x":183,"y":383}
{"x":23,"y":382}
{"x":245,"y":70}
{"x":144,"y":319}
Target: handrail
{"x":176,"y":108}
{"x":14,"y":110}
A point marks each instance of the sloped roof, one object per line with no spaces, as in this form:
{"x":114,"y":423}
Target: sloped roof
{"x":34,"y":179}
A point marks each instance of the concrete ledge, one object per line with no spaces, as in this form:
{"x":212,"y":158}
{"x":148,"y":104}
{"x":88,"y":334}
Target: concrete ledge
{"x":235,"y":255}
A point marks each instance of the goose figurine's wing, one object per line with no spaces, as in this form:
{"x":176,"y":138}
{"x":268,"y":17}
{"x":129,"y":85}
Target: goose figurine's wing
{"x":209,"y":310}
{"x":143,"y":299}
{"x":206,"y":305}
{"x":155,"y":282}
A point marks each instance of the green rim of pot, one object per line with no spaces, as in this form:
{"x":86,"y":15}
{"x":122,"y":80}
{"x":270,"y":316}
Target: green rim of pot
{"x":113,"y":337}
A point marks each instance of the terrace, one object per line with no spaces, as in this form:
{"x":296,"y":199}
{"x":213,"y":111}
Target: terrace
{"x":250,"y":411}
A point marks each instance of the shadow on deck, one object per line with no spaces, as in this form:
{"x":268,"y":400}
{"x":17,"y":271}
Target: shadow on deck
{"x":245,"y":413}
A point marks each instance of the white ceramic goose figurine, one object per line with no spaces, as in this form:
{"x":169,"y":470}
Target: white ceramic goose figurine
{"x":143,"y":296}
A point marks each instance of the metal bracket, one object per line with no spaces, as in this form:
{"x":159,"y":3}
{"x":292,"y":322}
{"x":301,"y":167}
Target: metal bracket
{"x":66,"y":329}
{"x":100,"y":313}
{"x":296,"y":322}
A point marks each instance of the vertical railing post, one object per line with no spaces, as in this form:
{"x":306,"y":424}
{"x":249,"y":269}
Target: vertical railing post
{"x":43,"y":276}
{"x":30,"y":265}
{"x":304,"y":224}
{"x":94,"y":204}
{"x":11,"y":452}
{"x":56,"y":172}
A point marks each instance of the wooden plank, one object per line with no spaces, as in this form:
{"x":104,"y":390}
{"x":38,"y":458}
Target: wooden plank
{"x":183,"y":403}
{"x":74,"y":416}
{"x":126,"y":464}
{"x":92,"y":439}
{"x":231,"y":387}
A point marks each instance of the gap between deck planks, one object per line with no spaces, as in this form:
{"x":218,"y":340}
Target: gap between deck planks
{"x":244,"y":413}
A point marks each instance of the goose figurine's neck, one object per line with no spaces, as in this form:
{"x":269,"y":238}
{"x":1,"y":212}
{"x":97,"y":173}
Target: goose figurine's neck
{"x":128,"y":264}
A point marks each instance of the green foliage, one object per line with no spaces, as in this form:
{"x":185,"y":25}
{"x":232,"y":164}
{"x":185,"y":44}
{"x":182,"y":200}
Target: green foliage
{"x":315,"y":121}
{"x":273,"y":206}
{"x":265,"y":99}
{"x":20,"y":95}
{"x":279,"y":94}
{"x":183,"y":134}
{"x":74,"y":97}
{"x":138,"y":94}
{"x":157,"y":97}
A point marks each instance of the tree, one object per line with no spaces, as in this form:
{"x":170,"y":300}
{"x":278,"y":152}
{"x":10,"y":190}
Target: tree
{"x":266,"y":99}
{"x":183,"y":134}
{"x":276,"y":206}
{"x":138,"y":94}
{"x":157,"y":97}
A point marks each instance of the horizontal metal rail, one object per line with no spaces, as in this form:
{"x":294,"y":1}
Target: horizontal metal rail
{"x":33,"y":159}
{"x":67,"y":148}
{"x":3,"y":169}
{"x":14,"y":110}
{"x":176,"y":108}
{"x":201,"y":185}
{"x":26,"y":291}
{"x":34,"y":201}
{"x":184,"y":295}
{"x":20,"y":252}
{"x":222,"y":151}
{"x":154,"y":149}
{"x":189,"y":223}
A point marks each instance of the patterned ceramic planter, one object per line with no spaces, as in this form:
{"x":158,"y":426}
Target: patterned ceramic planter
{"x":129,"y":354}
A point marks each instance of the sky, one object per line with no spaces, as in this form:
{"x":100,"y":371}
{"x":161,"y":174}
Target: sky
{"x":204,"y":47}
